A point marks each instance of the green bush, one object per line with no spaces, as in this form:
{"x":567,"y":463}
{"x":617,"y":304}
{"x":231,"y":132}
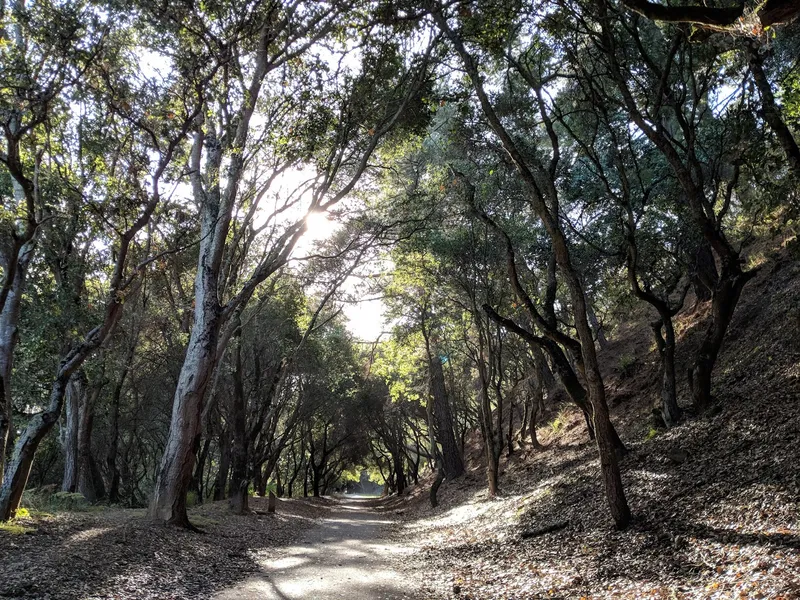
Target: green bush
{"x":69,"y":501}
{"x":46,"y":498}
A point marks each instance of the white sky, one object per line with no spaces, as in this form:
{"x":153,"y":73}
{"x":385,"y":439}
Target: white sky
{"x":365,"y":318}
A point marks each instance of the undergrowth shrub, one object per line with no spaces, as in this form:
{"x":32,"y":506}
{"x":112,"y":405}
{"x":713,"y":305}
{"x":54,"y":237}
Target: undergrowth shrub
{"x":46,"y":498}
{"x":627,"y":365}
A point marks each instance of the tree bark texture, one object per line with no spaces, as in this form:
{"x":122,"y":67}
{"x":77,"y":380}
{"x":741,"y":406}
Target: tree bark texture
{"x":670,"y":411}
{"x":451,"y":457}
{"x":9,"y":319}
{"x":72,"y":402}
{"x":238,"y":491}
{"x":723,"y":304}
{"x":168,"y":504}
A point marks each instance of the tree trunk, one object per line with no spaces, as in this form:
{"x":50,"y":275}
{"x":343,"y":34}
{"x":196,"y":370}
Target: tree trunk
{"x":88,"y":483}
{"x":526,"y":415}
{"x":16,"y":477}
{"x":221,"y":481}
{"x":113,"y":442}
{"x":770,"y":111}
{"x":723,"y":304}
{"x":572,"y":385}
{"x":315,"y":481}
{"x":487,"y":425}
{"x":600,"y":334}
{"x":168,"y":504}
{"x":510,"y":437}
{"x":259,"y":483}
{"x":415,"y":466}
{"x":399,"y":470}
{"x":535,"y":402}
{"x":72,"y":402}
{"x":198,"y":477}
{"x":547,"y":377}
{"x":609,"y":465}
{"x":238,"y":491}
{"x":433,"y":450}
{"x":437,"y":482}
{"x":670,"y":411}
{"x":453,"y":464}
{"x":703,"y":272}
{"x":9,"y":336}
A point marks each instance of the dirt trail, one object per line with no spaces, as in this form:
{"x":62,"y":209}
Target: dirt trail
{"x":347,"y":555}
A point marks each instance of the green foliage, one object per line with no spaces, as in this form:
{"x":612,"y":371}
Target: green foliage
{"x":47,"y":499}
{"x":627,"y":364}
{"x":351,"y":475}
{"x":69,"y":501}
{"x":12,"y":528}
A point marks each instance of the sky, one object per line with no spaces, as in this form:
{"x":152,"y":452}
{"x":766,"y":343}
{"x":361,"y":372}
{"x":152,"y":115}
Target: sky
{"x":365,"y":318}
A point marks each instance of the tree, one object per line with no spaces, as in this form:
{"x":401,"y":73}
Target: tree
{"x":137,"y":150}
{"x":281,"y":37}
{"x":540,"y":180}
{"x":681,"y":151}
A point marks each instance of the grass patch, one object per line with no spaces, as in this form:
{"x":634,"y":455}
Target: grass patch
{"x":12,"y":528}
{"x":561,"y":419}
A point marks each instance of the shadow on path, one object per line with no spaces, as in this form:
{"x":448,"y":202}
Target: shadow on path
{"x":347,"y":555}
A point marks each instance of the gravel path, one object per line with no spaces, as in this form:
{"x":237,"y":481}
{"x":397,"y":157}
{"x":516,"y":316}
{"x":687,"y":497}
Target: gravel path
{"x":347,"y":555}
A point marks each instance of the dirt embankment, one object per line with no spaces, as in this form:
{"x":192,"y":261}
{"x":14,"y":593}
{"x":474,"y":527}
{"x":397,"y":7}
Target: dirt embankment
{"x":716,"y":500}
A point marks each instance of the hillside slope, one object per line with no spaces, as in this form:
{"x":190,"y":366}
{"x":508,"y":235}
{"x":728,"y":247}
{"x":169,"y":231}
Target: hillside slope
{"x":715,"y":499}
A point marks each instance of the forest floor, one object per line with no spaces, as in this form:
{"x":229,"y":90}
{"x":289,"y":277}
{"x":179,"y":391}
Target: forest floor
{"x":116,"y":553}
{"x":310,"y":549}
{"x":716,"y":500}
{"x":716,"y":503}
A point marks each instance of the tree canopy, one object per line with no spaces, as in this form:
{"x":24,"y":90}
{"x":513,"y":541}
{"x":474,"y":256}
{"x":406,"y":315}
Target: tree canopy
{"x":515,"y":181}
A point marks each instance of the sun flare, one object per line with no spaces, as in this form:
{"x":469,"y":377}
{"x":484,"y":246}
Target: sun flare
{"x":319,"y":226}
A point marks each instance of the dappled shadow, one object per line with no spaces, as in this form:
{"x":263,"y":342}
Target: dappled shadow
{"x":340,"y":558}
{"x":115,"y":553}
{"x":715,"y":500}
{"x":111,"y":553}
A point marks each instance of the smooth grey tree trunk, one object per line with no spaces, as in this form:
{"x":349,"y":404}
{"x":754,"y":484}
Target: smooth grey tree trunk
{"x":9,"y":319}
{"x":168,"y":504}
